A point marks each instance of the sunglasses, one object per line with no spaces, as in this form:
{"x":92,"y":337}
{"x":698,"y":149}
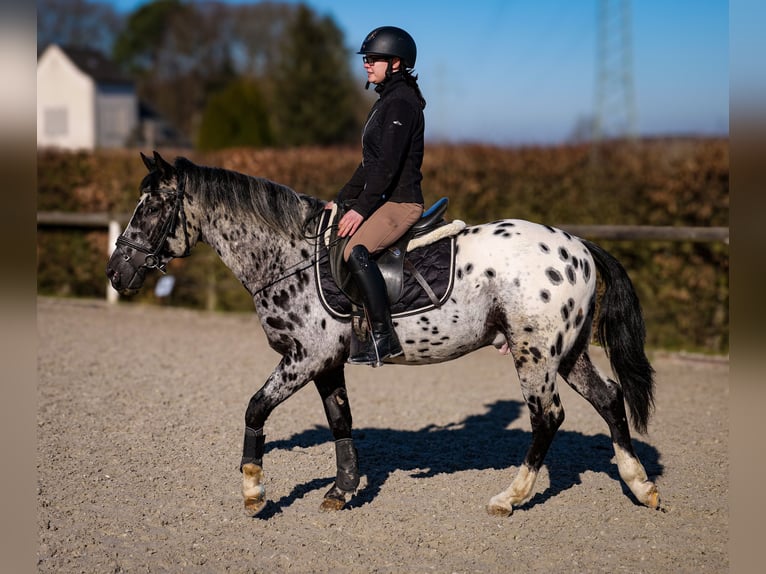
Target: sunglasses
{"x":372,"y":59}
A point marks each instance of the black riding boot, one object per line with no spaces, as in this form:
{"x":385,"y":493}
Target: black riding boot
{"x":382,"y":342}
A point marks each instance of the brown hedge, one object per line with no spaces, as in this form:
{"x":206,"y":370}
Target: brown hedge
{"x":683,"y":286}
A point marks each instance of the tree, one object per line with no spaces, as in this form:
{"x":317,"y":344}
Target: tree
{"x":315,"y":98}
{"x":78,"y":23}
{"x":235,"y":116}
{"x":173,"y":49}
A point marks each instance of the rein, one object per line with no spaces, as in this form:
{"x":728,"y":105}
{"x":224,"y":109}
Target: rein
{"x":152,"y":255}
{"x":311,"y":260}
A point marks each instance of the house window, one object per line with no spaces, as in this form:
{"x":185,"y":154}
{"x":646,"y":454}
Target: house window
{"x":56,"y":122}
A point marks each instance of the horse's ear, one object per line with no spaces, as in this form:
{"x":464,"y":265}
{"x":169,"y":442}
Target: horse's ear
{"x":165,"y":168}
{"x":148,"y":162}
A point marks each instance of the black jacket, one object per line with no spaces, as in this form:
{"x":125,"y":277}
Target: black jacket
{"x":392,"y":150}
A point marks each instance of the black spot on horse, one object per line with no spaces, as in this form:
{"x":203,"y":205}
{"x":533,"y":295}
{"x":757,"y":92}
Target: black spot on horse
{"x":559,"y":343}
{"x":564,"y":312}
{"x":536,"y":352}
{"x":276,"y":323}
{"x":554,"y":276}
{"x":544,"y":248}
{"x":468,"y":268}
{"x":490,"y":273}
{"x":563,"y":254}
{"x":571,"y":274}
{"x":586,"y":270}
{"x":545,"y":295}
{"x":281,"y":300}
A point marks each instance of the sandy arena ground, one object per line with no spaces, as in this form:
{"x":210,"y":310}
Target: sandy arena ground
{"x":140,"y":423}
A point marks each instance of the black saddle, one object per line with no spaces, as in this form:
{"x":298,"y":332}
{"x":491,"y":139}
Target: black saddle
{"x":392,"y":261}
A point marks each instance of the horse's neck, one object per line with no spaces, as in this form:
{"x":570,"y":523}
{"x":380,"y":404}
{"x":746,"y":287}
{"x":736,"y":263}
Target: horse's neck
{"x":255,"y":253}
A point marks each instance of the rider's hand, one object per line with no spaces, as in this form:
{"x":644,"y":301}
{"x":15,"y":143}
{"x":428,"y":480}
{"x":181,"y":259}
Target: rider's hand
{"x":349,"y":223}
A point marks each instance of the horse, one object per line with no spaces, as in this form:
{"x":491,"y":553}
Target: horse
{"x":528,"y":289}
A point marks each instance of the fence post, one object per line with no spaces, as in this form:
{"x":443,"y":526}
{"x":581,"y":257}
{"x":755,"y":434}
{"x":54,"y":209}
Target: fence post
{"x":112,"y":296}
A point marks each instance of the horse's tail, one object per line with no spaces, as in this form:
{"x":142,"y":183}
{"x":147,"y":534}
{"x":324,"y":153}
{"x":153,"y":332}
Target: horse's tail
{"x":622,"y":333}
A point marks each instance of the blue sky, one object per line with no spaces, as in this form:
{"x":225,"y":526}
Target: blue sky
{"x":515,"y":72}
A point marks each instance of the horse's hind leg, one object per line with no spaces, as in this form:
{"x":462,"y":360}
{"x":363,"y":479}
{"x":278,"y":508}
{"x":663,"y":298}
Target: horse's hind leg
{"x":607,"y":398}
{"x":332,"y":389}
{"x":538,"y":385}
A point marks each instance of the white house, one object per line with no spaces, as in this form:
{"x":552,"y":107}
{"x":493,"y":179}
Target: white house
{"x":83,"y":103}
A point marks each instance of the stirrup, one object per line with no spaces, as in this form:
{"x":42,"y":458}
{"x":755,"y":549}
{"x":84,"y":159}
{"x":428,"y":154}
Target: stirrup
{"x":369,"y":355}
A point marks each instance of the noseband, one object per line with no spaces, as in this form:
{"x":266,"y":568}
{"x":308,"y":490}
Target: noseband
{"x":152,"y":255}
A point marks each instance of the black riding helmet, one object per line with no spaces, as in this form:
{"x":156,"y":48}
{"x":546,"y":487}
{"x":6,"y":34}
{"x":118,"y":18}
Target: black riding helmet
{"x":391,"y":41}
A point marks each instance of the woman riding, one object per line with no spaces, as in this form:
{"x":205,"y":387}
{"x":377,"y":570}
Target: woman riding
{"x":384,"y":192}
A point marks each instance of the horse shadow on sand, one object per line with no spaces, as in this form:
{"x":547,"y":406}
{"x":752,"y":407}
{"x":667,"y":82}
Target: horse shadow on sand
{"x":479,"y":442}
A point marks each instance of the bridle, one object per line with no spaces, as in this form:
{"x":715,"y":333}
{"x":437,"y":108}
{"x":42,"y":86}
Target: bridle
{"x":152,"y":258}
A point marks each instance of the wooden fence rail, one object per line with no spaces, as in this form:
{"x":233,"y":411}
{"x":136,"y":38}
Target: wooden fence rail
{"x":114,"y":223}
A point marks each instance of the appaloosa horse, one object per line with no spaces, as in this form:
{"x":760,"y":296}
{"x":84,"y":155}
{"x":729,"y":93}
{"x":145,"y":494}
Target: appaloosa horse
{"x":527,"y":288}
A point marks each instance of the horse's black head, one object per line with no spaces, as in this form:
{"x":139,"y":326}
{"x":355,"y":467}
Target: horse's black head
{"x":157,"y":231}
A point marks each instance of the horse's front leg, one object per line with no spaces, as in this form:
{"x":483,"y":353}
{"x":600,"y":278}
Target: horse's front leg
{"x":332,"y":388}
{"x":281,"y":384}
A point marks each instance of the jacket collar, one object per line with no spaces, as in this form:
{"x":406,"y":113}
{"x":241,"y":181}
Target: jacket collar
{"x":387,"y":85}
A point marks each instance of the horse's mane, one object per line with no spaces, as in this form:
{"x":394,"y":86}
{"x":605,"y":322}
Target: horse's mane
{"x":278,"y":206}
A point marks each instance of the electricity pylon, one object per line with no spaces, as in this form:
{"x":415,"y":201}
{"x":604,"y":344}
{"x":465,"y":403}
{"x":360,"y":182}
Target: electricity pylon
{"x":615,"y":98}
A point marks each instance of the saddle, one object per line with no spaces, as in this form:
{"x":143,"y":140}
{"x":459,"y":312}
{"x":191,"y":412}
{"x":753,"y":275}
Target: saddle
{"x":419,"y":269}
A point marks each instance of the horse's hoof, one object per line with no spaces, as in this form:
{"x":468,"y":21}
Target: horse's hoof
{"x":495,"y":510}
{"x":653,"y":498}
{"x":254,"y":506}
{"x":252,"y":490}
{"x":332,"y":504}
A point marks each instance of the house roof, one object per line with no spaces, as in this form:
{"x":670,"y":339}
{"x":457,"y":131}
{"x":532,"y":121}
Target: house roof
{"x":96,"y":65}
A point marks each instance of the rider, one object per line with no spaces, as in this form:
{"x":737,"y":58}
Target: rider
{"x":384,"y":191}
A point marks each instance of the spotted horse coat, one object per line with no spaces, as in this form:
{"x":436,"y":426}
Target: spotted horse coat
{"x":526,"y":288}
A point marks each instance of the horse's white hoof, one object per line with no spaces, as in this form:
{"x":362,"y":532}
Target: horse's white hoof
{"x":497,"y":510}
{"x":652,"y":498}
{"x":252,"y":490}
